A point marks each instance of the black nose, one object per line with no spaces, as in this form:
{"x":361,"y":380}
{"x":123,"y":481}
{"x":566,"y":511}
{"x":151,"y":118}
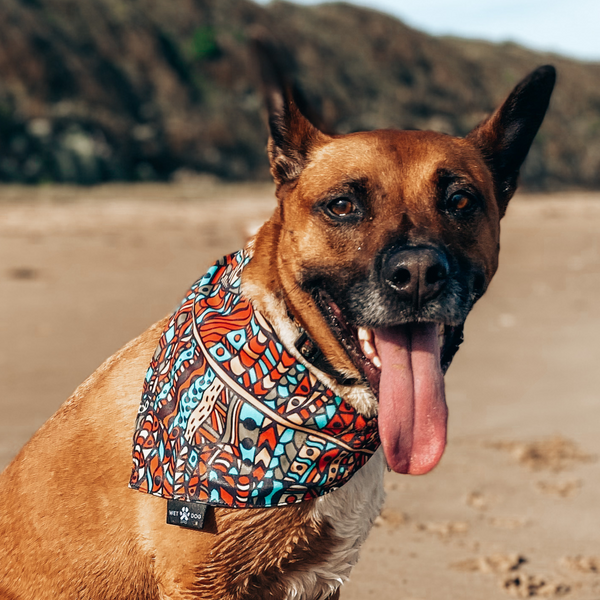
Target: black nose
{"x":417,"y":274}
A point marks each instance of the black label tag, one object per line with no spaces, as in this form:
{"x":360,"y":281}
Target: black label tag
{"x":186,"y":514}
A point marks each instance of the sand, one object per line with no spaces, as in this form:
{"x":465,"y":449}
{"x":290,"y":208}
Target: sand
{"x":514,"y":506}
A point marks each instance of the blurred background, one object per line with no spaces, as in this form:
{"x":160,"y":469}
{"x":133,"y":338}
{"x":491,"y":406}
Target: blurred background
{"x":102,"y":90}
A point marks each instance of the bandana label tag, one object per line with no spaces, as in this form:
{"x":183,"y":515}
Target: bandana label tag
{"x":186,"y":514}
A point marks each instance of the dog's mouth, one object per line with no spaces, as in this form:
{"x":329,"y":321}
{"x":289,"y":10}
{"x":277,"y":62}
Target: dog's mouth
{"x":404,"y":364}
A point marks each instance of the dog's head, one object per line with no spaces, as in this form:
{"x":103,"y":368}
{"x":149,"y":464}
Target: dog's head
{"x":383,"y":241}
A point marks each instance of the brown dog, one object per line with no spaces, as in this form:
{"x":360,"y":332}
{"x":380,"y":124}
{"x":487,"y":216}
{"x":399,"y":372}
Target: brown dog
{"x":379,"y":247}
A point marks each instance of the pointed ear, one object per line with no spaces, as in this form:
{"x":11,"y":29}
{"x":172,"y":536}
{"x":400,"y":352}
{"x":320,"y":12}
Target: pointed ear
{"x":292,"y":135}
{"x":505,"y":138}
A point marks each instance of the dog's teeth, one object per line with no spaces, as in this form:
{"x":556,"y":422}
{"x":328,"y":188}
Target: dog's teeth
{"x":368,"y":346}
{"x":364,"y":334}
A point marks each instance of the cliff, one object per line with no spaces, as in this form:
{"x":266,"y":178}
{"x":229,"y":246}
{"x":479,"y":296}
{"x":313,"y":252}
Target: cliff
{"x":96,"y":90}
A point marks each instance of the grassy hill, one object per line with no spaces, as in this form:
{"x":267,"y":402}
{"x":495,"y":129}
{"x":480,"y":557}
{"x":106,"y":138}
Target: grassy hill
{"x":95,"y":90}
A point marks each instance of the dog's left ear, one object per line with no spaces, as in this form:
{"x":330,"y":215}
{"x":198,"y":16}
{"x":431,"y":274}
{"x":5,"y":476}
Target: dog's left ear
{"x":293,"y":136}
{"x":505,"y":138}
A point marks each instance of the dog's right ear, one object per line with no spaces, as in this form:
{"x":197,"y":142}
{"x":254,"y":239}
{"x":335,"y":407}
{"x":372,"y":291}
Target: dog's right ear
{"x":292,"y":135}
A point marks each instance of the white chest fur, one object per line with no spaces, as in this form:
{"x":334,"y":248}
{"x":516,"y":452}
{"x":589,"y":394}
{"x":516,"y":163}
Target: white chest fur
{"x":351,"y":511}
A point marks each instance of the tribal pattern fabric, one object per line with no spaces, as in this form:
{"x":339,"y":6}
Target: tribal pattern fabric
{"x":229,"y":418}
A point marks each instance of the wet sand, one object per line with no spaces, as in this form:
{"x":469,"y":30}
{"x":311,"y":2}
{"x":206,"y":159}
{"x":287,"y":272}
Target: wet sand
{"x":514,"y":506}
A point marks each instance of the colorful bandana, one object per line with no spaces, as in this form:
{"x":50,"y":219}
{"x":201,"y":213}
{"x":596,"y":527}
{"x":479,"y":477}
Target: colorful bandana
{"x":229,"y":418}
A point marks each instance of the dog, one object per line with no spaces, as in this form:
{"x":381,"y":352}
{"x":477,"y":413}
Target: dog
{"x":362,"y":279}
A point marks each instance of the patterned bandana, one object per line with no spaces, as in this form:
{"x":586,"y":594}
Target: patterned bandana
{"x":229,"y":418}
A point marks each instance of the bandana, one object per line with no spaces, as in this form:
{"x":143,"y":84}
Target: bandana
{"x":229,"y":418}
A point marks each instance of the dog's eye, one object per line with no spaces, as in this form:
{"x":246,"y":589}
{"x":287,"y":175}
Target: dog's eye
{"x":341,"y":207}
{"x":461,"y":204}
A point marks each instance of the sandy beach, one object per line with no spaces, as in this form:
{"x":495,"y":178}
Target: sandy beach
{"x":514,"y":506}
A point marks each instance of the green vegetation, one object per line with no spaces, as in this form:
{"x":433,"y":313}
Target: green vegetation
{"x":204,"y":44}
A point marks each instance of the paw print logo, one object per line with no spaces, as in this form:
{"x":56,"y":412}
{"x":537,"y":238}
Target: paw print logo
{"x":184,"y":515}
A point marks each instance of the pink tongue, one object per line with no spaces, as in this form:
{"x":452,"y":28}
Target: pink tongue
{"x":412,"y":404}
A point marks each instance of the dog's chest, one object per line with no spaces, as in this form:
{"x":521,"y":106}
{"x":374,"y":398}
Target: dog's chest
{"x":350,"y":511}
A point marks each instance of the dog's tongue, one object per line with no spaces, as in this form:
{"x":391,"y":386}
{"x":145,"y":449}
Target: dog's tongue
{"x":412,"y":404}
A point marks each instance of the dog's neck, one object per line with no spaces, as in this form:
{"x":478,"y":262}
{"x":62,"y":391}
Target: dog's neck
{"x":262,"y":285}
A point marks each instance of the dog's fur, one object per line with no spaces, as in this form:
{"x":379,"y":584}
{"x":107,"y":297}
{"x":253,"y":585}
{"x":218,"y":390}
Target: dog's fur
{"x":69,"y":525}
